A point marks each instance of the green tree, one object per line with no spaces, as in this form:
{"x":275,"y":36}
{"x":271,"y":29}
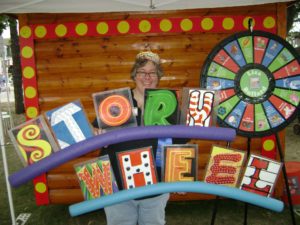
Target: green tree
{"x":293,"y":17}
{"x":10,"y":21}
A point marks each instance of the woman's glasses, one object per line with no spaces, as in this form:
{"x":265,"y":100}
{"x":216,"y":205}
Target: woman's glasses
{"x":143,"y":74}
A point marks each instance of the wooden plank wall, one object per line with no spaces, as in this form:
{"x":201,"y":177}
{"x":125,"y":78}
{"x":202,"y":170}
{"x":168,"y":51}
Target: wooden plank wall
{"x":74,"y":68}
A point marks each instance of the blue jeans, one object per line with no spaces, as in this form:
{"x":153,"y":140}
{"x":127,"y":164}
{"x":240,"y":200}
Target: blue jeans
{"x":150,"y":211}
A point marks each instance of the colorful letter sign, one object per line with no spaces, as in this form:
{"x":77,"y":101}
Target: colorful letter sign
{"x":197,"y":107}
{"x":260,"y":176}
{"x":137,"y":167}
{"x":224,"y":166}
{"x":180,"y":163}
{"x":114,"y":109}
{"x":96,"y":178}
{"x":160,"y":107}
{"x":33,"y":141}
{"x":69,"y":124}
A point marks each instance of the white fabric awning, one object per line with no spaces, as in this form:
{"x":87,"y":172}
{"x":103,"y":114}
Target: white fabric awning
{"x":82,"y":6}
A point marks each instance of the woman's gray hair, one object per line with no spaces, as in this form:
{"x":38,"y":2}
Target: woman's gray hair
{"x":140,"y":62}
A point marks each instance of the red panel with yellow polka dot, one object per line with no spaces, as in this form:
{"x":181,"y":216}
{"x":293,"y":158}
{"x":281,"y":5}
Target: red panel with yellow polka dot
{"x":269,"y":146}
{"x":41,"y":190}
{"x":153,"y":25}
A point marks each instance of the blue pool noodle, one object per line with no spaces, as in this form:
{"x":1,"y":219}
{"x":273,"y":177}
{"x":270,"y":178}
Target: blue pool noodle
{"x":159,"y":188}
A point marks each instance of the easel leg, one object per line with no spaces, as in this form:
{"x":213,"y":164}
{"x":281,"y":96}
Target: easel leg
{"x":215,"y":210}
{"x":245,"y":214}
{"x":246,"y":205}
{"x":286,"y":180}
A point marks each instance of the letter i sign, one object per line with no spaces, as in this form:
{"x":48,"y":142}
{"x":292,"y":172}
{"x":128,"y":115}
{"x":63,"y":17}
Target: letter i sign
{"x":260,"y":176}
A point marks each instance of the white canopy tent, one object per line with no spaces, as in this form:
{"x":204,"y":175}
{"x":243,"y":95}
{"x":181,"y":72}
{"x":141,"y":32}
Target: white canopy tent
{"x":79,"y":6}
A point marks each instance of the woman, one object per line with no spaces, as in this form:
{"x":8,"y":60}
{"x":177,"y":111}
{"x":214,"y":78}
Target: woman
{"x":146,"y":72}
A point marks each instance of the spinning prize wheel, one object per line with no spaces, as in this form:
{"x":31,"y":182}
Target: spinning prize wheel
{"x":257,"y":75}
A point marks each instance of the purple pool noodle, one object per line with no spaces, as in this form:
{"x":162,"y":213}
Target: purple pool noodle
{"x":117,"y":136}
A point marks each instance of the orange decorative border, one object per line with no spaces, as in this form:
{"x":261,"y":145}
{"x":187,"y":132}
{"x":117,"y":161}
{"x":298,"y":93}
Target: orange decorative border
{"x":104,"y":28}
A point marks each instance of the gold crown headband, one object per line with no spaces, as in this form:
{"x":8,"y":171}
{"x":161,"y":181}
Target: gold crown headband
{"x":149,"y":55}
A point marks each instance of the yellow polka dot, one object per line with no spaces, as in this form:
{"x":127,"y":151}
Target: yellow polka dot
{"x":27,"y":52}
{"x":25,"y":32}
{"x":40,"y":31}
{"x":228,"y":23}
{"x":102,"y":28}
{"x":245,"y":22}
{"x":28,"y":72}
{"x":40,"y":187}
{"x":31,"y":112}
{"x":207,"y":24}
{"x":30,"y":92}
{"x":81,"y":29}
{"x":268,"y":145}
{"x":145,"y":26}
{"x":123,"y":27}
{"x":61,"y":30}
{"x":186,"y":24}
{"x":269,"y":22}
{"x":165,"y":25}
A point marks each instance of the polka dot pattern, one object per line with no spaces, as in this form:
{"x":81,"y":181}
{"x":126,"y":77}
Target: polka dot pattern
{"x":27,"y":52}
{"x":25,"y":32}
{"x":31,"y":112}
{"x":144,"y":26}
{"x":269,"y":22}
{"x":186,"y":25}
{"x":28,"y":66}
{"x":165,"y":25}
{"x":207,"y":24}
{"x":153,"y":25}
{"x":123,"y":27}
{"x":268,"y":145}
{"x":28,"y":72}
{"x":81,"y":29}
{"x":228,"y":24}
{"x":61,"y":30}
{"x":102,"y":28}
{"x":40,"y":187}
{"x":30,"y":92}
{"x":40,"y":31}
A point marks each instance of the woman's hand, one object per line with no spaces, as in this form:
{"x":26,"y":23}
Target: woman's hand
{"x":98,"y":131}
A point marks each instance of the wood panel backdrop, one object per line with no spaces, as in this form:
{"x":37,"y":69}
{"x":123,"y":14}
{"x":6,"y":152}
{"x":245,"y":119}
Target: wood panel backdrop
{"x":74,"y":67}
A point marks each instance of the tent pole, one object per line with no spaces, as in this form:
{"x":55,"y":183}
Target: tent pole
{"x":9,"y":194}
{"x":8,"y":89}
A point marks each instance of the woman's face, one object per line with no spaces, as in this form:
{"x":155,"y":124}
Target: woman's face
{"x":146,"y":77}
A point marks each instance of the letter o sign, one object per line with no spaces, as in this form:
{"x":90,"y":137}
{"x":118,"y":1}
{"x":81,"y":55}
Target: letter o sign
{"x":115,"y":110}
